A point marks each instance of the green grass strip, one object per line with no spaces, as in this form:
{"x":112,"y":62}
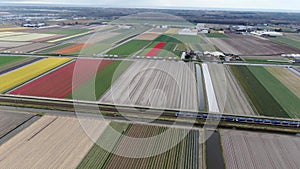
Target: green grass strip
{"x":99,"y":157}
{"x":167,"y":38}
{"x":260,"y":98}
{"x":4,"y":60}
{"x":129,"y":48}
{"x":288,"y":100}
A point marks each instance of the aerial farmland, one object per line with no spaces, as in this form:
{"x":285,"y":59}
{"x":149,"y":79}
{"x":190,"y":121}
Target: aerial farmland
{"x":138,"y":88}
{"x":155,"y":84}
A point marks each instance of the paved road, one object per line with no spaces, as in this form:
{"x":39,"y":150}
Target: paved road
{"x":133,"y":59}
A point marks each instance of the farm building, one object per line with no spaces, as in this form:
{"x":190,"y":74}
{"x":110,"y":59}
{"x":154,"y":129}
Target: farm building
{"x":267,"y":33}
{"x":215,"y":54}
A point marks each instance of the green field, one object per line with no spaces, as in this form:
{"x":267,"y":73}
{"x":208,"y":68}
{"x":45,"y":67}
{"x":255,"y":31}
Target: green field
{"x":193,"y":39}
{"x":49,"y":50}
{"x":148,"y":49}
{"x":216,"y":35}
{"x":181,"y":42}
{"x":97,"y":156}
{"x":102,"y":82}
{"x":183,"y":155}
{"x":195,"y":47}
{"x":262,"y":101}
{"x":175,"y":44}
{"x":128,"y":48}
{"x":170,"y":51}
{"x":167,"y":38}
{"x":289,"y":101}
{"x":4,"y":60}
{"x":287,"y":41}
{"x":69,"y":31}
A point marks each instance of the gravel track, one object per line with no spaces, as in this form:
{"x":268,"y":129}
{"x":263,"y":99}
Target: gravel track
{"x":156,"y":84}
{"x":211,"y":96}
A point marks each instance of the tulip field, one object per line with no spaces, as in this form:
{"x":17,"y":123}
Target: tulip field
{"x":26,"y":73}
{"x":59,"y":83}
{"x":156,"y":49}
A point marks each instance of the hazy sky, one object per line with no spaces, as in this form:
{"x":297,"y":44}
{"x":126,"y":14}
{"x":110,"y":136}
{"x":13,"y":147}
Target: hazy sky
{"x":245,"y":4}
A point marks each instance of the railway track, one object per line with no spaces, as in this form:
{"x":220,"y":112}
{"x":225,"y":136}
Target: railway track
{"x":119,"y":111}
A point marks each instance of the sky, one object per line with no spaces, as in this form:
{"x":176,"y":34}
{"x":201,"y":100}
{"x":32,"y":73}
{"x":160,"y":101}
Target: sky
{"x":293,"y":5}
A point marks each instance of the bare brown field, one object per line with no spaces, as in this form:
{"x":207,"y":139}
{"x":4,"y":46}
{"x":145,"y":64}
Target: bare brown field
{"x":250,"y":45}
{"x":253,"y":150}
{"x":147,"y":36}
{"x":230,"y":97}
{"x":286,"y":77}
{"x":12,"y":44}
{"x":10,"y":120}
{"x":156,"y":84}
{"x":30,"y":47}
{"x":51,"y":142}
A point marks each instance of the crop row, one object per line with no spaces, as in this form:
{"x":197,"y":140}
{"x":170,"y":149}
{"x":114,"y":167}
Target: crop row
{"x":156,"y":84}
{"x":287,"y":99}
{"x":181,"y":155}
{"x":262,"y":101}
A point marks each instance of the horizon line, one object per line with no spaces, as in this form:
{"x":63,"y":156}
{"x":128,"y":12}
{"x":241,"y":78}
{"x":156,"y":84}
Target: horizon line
{"x":153,"y":7}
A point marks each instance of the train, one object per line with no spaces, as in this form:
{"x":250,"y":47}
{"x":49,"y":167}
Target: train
{"x":249,"y":120}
